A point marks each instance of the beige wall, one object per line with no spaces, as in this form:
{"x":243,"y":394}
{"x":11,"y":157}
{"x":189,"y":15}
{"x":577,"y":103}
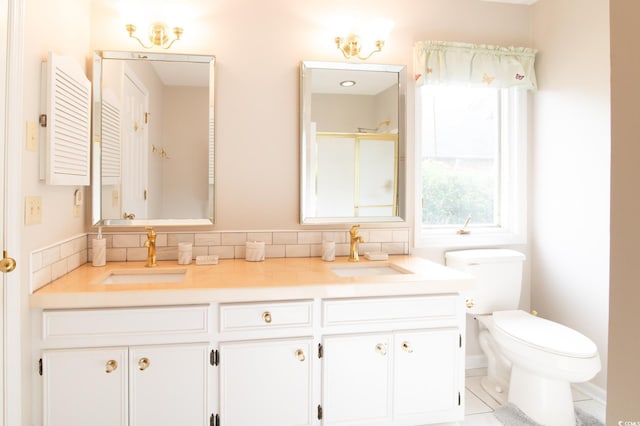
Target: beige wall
{"x":569,"y":168}
{"x":624,"y":320}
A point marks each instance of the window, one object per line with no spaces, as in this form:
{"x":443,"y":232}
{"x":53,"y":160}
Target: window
{"x":471,"y":165}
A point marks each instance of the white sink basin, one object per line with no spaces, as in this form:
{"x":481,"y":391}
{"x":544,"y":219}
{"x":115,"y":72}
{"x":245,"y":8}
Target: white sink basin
{"x":128,"y":276}
{"x":367,"y":270}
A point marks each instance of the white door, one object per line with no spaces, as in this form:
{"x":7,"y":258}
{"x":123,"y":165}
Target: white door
{"x":427,"y":368}
{"x":11,"y":135}
{"x":356,"y":379}
{"x":85,"y":387}
{"x":266,"y":383}
{"x":168,"y":385}
{"x":134,"y":148}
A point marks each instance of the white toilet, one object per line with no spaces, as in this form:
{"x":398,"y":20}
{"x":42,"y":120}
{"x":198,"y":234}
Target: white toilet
{"x":532,"y":361}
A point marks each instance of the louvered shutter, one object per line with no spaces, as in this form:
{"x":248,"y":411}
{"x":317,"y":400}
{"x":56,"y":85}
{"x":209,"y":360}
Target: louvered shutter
{"x":67,"y":105}
{"x":111,"y":139}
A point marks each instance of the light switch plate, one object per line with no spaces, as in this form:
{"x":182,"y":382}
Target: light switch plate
{"x":32,"y":210}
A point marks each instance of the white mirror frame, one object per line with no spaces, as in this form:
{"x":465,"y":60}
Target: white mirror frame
{"x":307,"y":173}
{"x":96,"y":145}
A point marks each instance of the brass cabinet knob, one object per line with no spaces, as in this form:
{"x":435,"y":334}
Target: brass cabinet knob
{"x":143,"y":363}
{"x":111,"y":366}
{"x":381,"y":348}
{"x":406,"y":346}
{"x":300,"y":355}
{"x":470,"y":303}
{"x":266,"y":317}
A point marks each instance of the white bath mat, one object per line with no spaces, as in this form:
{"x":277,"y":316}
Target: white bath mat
{"x":510,"y":415}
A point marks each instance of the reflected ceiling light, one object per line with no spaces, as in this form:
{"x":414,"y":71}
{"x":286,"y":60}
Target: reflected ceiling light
{"x":351,"y":45}
{"x":347,"y":83}
{"x":158,"y":35}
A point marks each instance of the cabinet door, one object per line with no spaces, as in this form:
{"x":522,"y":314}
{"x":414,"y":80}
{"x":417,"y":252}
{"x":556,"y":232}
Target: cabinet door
{"x":427,"y":368}
{"x":85,"y":387}
{"x":266,"y":383}
{"x":168,"y":385}
{"x":356,"y":373}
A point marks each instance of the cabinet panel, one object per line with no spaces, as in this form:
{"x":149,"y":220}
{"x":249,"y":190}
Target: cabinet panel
{"x":356,"y":386}
{"x":384,"y":309}
{"x":168,"y":385}
{"x":85,"y":387}
{"x":257,"y":316}
{"x":266,"y":382}
{"x":92,"y":323}
{"x":427,"y":368}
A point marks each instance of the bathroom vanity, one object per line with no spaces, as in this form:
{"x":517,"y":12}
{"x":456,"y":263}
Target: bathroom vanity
{"x":281,"y":342}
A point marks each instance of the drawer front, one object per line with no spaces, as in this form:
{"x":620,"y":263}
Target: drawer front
{"x":264,"y":316}
{"x":386,"y":309}
{"x":85,"y":323}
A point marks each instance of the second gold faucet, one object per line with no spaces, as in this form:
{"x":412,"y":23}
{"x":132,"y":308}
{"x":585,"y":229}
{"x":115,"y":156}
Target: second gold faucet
{"x":151,"y":246}
{"x":353,"y":246}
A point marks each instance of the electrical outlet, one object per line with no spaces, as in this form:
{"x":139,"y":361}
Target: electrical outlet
{"x":32,"y":210}
{"x":115,"y":198}
{"x":32,"y":136}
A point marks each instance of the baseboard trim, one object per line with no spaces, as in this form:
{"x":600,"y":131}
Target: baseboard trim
{"x":475,"y":361}
{"x":594,"y":392}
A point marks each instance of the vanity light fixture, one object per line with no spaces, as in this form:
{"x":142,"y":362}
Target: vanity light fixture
{"x":351,"y":46}
{"x":158,"y":35}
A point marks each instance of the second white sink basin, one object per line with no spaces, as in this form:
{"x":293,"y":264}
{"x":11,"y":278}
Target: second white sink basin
{"x":367,"y":270}
{"x":128,"y":276}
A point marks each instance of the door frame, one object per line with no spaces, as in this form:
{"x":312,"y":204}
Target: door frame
{"x":12,"y":143}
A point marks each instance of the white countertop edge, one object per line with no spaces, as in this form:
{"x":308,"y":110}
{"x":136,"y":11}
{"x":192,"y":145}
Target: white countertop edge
{"x":142,"y":298}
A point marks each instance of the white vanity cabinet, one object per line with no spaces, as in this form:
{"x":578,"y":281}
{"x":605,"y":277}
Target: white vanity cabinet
{"x":266,"y":364}
{"x":94,"y":373}
{"x":411,"y":372}
{"x":393,"y":360}
{"x":266,"y":383}
{"x":85,"y":387}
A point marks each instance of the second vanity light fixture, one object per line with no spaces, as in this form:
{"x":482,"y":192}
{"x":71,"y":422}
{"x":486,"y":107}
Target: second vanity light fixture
{"x":351,"y":46}
{"x":358,"y":33}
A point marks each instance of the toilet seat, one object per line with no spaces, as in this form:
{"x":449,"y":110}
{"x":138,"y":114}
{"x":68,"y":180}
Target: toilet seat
{"x":544,"y":335}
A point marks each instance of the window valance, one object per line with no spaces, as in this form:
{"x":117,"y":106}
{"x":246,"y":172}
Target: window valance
{"x":441,"y":62}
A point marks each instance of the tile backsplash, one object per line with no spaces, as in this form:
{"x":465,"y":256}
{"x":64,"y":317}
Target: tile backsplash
{"x":52,"y":262}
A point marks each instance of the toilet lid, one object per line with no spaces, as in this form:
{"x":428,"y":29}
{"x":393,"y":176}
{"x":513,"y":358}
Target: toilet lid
{"x":544,"y":334}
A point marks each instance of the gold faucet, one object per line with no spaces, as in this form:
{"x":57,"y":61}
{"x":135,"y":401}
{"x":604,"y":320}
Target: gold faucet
{"x":353,"y":246}
{"x":151,"y":245}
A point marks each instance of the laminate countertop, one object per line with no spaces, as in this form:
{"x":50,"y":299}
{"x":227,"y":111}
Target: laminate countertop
{"x":237,"y":280}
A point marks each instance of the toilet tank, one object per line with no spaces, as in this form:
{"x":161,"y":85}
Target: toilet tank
{"x":498,"y":274}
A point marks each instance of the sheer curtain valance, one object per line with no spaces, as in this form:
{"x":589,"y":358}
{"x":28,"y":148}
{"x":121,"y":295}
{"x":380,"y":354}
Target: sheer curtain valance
{"x":441,"y":62}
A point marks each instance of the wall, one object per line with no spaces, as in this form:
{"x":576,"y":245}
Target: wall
{"x":623,"y":391}
{"x":570,"y":168}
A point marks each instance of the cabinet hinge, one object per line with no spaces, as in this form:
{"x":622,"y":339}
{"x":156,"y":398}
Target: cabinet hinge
{"x":320,"y":350}
{"x":40,"y":366}
{"x":214,"y":420}
{"x":319,"y":412}
{"x":214,"y":357}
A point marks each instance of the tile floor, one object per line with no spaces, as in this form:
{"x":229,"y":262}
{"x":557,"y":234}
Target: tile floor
{"x":480,"y":405}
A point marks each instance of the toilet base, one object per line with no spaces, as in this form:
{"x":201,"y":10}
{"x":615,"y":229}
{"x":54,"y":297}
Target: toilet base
{"x":545,"y":401}
{"x":498,"y":391}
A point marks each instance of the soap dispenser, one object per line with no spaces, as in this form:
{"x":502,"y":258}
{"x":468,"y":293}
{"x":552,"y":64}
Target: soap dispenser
{"x":99,"y":249}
